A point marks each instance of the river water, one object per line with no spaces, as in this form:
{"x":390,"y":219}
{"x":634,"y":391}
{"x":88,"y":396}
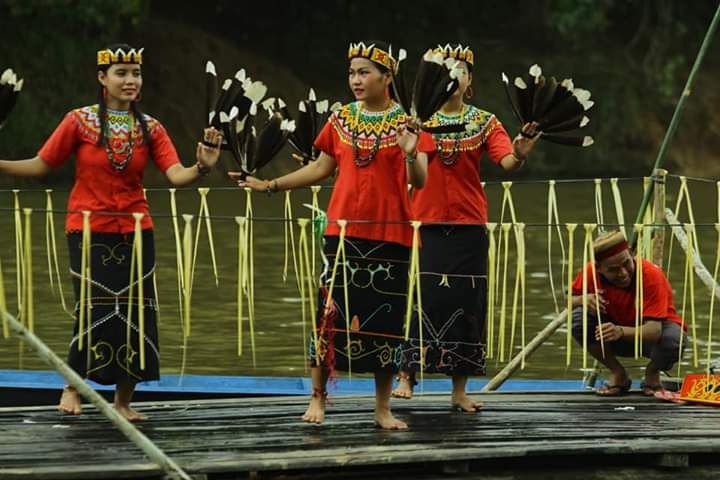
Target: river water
{"x":212,"y":346}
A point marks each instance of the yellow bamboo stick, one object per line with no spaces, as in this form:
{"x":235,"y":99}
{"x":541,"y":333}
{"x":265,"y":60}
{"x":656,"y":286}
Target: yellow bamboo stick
{"x":619,"y":210}
{"x":503,"y":303}
{"x":692,"y":246}
{"x":571,"y":246}
{"x":310,"y":287}
{"x":599,"y":216}
{"x":19,"y":257}
{"x":490,"y":317}
{"x":205,"y":213}
{"x":250,"y":242}
{"x":178,"y":252}
{"x":329,"y":298}
{"x":315,"y":189}
{"x":241,"y":278}
{"x":141,"y":286}
{"x":187,"y":273}
{"x":553,"y":218}
{"x":84,"y":283}
{"x":639,"y":297}
{"x":3,"y":305}
{"x":51,"y":248}
{"x":28,"y":304}
{"x":302,"y":277}
{"x":591,"y":255}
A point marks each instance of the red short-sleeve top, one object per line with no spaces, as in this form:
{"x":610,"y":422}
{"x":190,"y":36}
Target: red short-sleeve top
{"x":99,"y":186}
{"x":372,"y":193}
{"x":453,"y":191}
{"x":657,"y":296}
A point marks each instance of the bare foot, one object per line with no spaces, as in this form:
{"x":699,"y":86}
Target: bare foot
{"x":384,"y":419}
{"x":463,"y":402}
{"x":70,"y":402}
{"x":405,"y":387}
{"x":315,"y":412}
{"x":130,"y":414}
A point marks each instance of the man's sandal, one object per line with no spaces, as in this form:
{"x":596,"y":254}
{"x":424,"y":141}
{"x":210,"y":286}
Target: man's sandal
{"x":649,"y":389}
{"x":608,"y":390}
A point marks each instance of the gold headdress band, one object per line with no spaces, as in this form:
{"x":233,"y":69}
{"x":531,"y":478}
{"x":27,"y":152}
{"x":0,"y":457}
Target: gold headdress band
{"x":458,"y":53}
{"x":374,"y":54}
{"x":108,"y":57}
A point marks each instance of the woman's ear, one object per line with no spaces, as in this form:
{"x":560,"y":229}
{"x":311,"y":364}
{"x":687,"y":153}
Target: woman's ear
{"x":101,"y":77}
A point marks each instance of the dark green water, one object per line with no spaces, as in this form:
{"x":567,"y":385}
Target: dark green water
{"x":279,"y":340}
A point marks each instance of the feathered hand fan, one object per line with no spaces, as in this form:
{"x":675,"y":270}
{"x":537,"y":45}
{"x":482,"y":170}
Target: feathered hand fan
{"x":253,"y":149}
{"x":435,"y":82}
{"x":10,"y":87}
{"x":557,"y":107}
{"x":312,"y":116}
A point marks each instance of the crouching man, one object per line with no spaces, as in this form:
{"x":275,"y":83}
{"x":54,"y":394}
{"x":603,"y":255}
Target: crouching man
{"x":615,"y":270}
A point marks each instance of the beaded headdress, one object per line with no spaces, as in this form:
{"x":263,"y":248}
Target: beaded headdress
{"x":458,"y":52}
{"x":374,"y":54}
{"x":120,"y":55}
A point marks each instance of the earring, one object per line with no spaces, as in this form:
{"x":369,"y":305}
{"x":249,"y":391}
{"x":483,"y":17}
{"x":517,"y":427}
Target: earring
{"x":104,"y":92}
{"x":469,"y":92}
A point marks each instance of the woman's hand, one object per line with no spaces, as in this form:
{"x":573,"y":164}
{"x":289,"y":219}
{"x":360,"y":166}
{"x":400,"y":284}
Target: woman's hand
{"x":206,"y":154}
{"x":524,"y":142}
{"x":406,"y":139}
{"x":255,"y":184}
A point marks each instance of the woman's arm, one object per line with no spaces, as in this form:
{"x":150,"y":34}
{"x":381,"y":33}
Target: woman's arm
{"x":206,"y":156}
{"x":31,"y":167}
{"x":417,"y":169}
{"x":310,"y":174}
{"x":523,"y":144}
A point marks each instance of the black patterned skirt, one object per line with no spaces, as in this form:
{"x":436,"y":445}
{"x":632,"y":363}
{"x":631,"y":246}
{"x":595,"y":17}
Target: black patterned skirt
{"x":376,"y":278}
{"x":453,"y":265}
{"x":113,"y":355}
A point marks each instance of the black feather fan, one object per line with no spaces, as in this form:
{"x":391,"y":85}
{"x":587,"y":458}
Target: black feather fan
{"x":311,"y":117}
{"x":557,"y":107}
{"x":435,"y":82}
{"x":10,"y":87}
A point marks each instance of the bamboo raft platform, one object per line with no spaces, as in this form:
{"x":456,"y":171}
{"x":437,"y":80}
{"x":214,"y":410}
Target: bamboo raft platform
{"x":553,"y":434}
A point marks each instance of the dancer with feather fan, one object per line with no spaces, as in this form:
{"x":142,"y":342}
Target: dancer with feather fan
{"x":359,"y":321}
{"x":453,"y":260}
{"x":113,"y":142}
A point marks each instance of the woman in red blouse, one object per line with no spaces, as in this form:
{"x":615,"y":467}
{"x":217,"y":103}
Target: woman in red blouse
{"x":375,"y":156}
{"x":453,"y":260}
{"x":113,"y":143}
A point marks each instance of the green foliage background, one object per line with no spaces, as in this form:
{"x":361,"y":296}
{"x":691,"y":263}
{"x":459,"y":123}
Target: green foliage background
{"x":634,"y":55}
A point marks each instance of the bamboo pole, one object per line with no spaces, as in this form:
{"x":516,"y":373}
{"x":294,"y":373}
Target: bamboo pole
{"x":533,"y":345}
{"x":658,"y":238}
{"x":156,"y":455}
{"x":676,"y":115}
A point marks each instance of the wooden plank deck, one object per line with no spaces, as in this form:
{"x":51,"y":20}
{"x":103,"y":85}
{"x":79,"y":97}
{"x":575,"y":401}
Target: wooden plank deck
{"x":264,"y":438}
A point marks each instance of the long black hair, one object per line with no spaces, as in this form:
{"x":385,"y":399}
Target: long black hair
{"x":102,"y":107}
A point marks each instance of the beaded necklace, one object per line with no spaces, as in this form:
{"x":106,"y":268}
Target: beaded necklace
{"x":125,"y":151}
{"x":364,"y":160}
{"x":451,"y":157}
